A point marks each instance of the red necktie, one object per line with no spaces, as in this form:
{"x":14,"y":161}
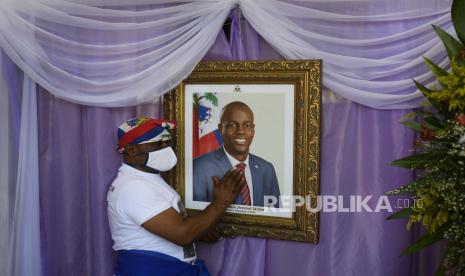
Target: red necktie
{"x":245,"y":193}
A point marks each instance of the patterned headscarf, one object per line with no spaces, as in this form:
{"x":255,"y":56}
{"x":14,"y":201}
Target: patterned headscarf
{"x":143,"y":130}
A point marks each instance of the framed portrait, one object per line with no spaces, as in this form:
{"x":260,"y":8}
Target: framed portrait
{"x":262,"y":116}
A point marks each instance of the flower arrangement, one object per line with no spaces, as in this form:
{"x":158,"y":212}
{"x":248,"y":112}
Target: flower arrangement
{"x":439,"y":190}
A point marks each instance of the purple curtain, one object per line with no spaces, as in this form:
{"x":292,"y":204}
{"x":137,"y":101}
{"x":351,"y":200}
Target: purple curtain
{"x":78,"y":162}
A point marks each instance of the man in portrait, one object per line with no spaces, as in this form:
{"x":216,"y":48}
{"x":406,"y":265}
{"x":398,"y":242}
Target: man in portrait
{"x":237,"y":131}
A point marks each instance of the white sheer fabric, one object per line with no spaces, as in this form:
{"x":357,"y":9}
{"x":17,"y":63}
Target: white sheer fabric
{"x":25,"y":258}
{"x":109,"y":56}
{"x":105,"y":53}
{"x":369,"y":51}
{"x":7,"y":169}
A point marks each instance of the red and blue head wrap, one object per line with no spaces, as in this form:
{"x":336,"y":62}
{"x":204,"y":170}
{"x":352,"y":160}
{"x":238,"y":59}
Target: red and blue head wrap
{"x":143,"y":130}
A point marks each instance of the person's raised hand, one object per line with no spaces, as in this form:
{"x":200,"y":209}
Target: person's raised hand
{"x":226,"y":190}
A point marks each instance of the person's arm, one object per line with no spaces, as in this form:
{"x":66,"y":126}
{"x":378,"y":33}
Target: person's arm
{"x":170,"y":225}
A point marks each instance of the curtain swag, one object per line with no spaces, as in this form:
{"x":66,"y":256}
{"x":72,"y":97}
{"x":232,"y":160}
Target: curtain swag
{"x":106,"y":53}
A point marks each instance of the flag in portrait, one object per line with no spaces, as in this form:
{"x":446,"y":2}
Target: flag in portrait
{"x":205,"y":134}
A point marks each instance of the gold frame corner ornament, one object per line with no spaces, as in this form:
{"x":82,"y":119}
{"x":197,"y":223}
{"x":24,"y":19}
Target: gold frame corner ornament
{"x":306,"y":76}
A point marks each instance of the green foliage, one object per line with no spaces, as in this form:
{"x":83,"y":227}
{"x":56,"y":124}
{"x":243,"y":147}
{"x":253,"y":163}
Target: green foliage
{"x":437,"y":71}
{"x":457,"y":11}
{"x":404,"y":213}
{"x":453,"y":46}
{"x":452,"y":89}
{"x":440,"y":106}
{"x":419,"y":161}
{"x":413,"y":125}
{"x":422,"y":242}
{"x":439,"y":190}
{"x":409,"y":189}
{"x":433,"y":122}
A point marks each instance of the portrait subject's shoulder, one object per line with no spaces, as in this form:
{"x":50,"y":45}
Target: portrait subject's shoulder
{"x":204,"y":159}
{"x":260,"y":161}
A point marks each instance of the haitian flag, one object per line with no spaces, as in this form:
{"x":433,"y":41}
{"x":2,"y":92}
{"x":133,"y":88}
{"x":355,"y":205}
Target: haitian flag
{"x":206,"y":116}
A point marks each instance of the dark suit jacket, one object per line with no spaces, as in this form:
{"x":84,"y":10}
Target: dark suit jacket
{"x":216,"y":163}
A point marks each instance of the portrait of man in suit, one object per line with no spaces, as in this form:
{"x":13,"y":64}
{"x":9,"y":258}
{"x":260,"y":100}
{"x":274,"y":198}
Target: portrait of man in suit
{"x":237,"y":130}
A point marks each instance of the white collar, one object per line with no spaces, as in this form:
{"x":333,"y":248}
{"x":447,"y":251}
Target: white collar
{"x":234,"y":161}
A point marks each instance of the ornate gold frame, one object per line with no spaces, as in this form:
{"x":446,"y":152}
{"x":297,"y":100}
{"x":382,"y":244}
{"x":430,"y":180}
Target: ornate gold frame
{"x":306,"y":76}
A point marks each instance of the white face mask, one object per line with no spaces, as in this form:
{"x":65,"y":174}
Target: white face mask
{"x":162,"y":160}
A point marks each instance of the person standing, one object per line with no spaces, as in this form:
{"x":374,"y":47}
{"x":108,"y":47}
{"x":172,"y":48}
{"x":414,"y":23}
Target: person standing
{"x":151,"y":232}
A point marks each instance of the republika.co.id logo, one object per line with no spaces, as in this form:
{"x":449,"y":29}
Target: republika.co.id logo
{"x":339,"y":203}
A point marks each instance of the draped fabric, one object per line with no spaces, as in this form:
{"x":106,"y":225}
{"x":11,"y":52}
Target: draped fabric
{"x":105,"y":53}
{"x":20,"y":245}
{"x":25,"y":240}
{"x":7,"y":170}
{"x":373,"y":67}
{"x":20,"y":233}
{"x":11,"y":91}
{"x":109,"y":57}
